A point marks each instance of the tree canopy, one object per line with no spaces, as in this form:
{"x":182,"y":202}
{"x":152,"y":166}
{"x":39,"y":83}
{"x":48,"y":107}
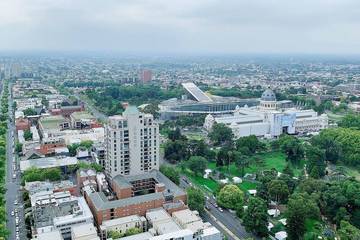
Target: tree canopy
{"x":230,"y":196}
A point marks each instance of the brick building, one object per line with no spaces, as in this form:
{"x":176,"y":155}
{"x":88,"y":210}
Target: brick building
{"x":134,"y":195}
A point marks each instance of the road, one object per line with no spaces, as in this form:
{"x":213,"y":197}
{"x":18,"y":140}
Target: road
{"x":91,"y":108}
{"x":225,"y":221}
{"x":13,"y":185}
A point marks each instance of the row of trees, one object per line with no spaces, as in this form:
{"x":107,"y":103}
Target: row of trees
{"x":109,"y":99}
{"x":3,"y":130}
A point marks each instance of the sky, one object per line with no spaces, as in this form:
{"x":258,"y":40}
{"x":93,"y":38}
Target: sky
{"x":181,"y":26}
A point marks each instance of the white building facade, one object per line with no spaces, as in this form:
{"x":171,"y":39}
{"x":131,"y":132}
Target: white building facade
{"x":269,"y":119}
{"x":132,"y":143}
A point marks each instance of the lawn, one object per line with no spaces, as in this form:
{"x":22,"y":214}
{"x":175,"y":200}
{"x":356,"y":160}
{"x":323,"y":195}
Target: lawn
{"x":194,"y":135}
{"x":205,"y":183}
{"x":246,"y":185}
{"x":259,"y":162}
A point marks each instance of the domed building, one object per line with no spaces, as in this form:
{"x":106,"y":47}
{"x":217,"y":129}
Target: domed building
{"x":268,"y":100}
{"x":270,"y":119}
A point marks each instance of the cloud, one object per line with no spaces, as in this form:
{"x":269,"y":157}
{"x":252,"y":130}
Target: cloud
{"x":185,"y":26}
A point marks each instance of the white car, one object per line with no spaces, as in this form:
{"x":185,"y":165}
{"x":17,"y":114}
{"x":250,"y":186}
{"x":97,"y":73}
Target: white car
{"x":220,"y":209}
{"x":15,"y":202}
{"x":12,"y":213}
{"x":14,"y":175}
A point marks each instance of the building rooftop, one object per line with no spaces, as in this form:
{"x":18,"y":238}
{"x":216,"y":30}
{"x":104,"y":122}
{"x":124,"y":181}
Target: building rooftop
{"x":51,"y":122}
{"x":53,"y":235}
{"x":131,"y":110}
{"x":120,"y":221}
{"x":47,"y":162}
{"x":84,"y":231}
{"x":268,"y":95}
{"x":101,"y":202}
{"x":82,"y":115}
{"x":140,"y":236}
{"x":196,"y":92}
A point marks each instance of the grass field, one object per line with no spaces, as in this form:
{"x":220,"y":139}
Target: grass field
{"x":207,"y":183}
{"x":259,"y":162}
{"x":246,"y":185}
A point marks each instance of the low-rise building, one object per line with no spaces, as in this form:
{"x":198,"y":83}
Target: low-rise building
{"x":82,"y":120}
{"x":122,"y":225}
{"x":22,"y":124}
{"x":51,"y":126}
{"x":135,"y":195}
{"x":59,"y":211}
{"x":84,"y":232}
{"x":48,"y":162}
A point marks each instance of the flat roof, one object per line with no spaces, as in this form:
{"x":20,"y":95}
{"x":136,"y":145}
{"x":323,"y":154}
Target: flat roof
{"x":82,"y":115}
{"x":102,"y":203}
{"x":47,"y":162}
{"x":50,"y":122}
{"x":119,"y":221}
{"x":53,"y":235}
{"x":140,"y":236}
{"x":84,"y":230}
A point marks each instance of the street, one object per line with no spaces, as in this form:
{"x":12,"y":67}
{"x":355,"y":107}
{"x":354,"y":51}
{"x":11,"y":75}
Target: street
{"x":13,"y":184}
{"x":91,"y":108}
{"x":225,"y":221}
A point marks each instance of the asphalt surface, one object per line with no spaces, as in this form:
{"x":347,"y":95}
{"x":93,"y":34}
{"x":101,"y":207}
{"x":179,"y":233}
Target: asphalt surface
{"x":226,"y":218}
{"x":13,"y":185}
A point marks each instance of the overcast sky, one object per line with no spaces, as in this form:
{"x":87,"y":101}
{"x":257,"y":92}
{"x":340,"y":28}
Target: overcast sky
{"x":182,"y":26}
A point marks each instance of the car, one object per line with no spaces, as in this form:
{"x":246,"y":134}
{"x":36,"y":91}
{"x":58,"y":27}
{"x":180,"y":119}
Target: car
{"x":220,"y":209}
{"x":15,"y":202}
{"x":14,"y":175}
{"x":17,"y":221}
{"x":207,"y":207}
{"x":12,"y":213}
{"x":16,"y":210}
{"x":17,"y":229}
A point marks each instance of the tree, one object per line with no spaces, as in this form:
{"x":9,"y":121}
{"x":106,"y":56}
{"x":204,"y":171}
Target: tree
{"x":348,"y":231}
{"x":196,"y":199}
{"x":197,"y":148}
{"x":256,"y":218}
{"x":153,"y":109}
{"x":241,"y":161}
{"x":293,"y":149}
{"x":300,"y":207}
{"x":174,"y":134}
{"x":350,"y":121}
{"x":224,"y":156}
{"x":278,"y":190}
{"x":18,"y":147}
{"x":29,"y":112}
{"x":171,"y":172}
{"x":27,"y":135}
{"x":175,"y":151}
{"x":250,"y":142}
{"x":221,"y":134}
{"x":332,"y":148}
{"x":230,"y":196}
{"x":197,"y":164}
{"x":315,"y":161}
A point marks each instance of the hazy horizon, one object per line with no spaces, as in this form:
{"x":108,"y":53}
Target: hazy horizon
{"x":181,"y":27}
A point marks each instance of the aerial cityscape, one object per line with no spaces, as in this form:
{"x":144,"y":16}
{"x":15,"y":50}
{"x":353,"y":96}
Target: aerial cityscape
{"x":179,"y":120}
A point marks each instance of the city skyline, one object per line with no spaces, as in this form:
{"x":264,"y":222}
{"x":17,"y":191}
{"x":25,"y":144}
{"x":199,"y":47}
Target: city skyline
{"x":181,"y":27}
